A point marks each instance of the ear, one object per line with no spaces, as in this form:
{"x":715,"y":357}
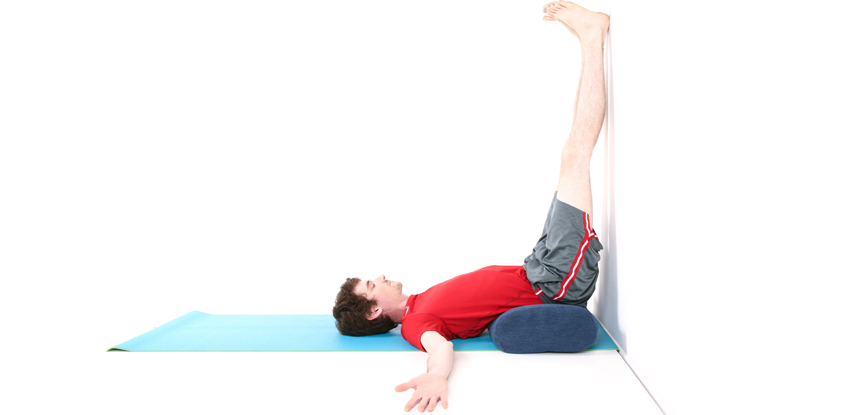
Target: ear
{"x":374,"y":313}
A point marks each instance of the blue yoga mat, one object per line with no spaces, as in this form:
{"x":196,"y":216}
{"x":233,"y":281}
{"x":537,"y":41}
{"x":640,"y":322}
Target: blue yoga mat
{"x":202,"y":332}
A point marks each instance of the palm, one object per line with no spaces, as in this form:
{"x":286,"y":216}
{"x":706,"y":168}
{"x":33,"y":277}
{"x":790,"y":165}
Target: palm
{"x":428,"y":390}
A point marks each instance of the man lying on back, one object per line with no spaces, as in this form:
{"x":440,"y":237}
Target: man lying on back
{"x":562,"y":268}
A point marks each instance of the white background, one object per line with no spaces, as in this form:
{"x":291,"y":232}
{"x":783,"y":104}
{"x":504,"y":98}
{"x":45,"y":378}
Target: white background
{"x":247,"y":157}
{"x":732,"y":278}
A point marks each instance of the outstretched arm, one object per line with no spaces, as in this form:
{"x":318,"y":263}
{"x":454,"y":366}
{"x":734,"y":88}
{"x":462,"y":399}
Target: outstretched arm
{"x":431,"y":386}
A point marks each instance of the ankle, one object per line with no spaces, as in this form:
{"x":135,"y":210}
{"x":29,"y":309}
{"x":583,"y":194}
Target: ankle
{"x":592,"y":39}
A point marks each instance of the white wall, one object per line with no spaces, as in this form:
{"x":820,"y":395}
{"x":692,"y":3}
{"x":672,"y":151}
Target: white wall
{"x":248,"y":157}
{"x":731,"y":279}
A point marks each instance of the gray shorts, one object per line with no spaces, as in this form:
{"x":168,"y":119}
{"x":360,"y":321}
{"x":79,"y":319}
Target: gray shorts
{"x":563,"y":266}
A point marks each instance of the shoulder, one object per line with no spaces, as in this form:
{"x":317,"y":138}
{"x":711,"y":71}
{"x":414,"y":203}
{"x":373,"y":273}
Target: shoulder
{"x":416,"y":326}
{"x":420,"y":321}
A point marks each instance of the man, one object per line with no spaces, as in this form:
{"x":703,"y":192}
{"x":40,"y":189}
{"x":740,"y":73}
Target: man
{"x":562,"y":268}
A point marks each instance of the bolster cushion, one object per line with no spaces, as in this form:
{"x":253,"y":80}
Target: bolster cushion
{"x":544,"y":328}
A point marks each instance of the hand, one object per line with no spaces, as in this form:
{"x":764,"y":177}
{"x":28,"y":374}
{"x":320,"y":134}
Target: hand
{"x":428,"y":390}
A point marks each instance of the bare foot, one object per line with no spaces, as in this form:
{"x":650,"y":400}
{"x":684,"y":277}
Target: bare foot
{"x":584,"y":22}
{"x":553,"y":19}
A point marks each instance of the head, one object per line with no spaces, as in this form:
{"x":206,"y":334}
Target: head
{"x":365,"y":307}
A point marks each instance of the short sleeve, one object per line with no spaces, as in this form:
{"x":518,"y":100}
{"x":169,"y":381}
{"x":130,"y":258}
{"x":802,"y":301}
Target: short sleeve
{"x":416,"y":325}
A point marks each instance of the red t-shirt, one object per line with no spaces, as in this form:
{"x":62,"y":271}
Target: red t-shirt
{"x":465,"y":305}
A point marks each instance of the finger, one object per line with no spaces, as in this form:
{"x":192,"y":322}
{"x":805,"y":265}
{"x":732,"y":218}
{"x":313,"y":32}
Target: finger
{"x":445,"y":402}
{"x":423,"y":404}
{"x":412,"y":402}
{"x":402,"y":387}
{"x":432,"y":403}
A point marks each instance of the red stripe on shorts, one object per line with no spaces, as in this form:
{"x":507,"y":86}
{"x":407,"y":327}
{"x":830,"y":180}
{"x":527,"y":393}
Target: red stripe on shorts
{"x":575,"y":266}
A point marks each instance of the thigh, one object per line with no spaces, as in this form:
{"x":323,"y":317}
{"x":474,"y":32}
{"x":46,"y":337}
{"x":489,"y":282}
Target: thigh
{"x":563,"y":265}
{"x":575,"y":188}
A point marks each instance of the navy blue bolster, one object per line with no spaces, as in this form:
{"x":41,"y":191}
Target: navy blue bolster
{"x":544,"y":328}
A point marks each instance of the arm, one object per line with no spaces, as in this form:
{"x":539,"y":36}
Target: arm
{"x":431,"y":386}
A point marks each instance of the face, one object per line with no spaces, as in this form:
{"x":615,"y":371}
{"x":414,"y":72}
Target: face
{"x":387,"y":293}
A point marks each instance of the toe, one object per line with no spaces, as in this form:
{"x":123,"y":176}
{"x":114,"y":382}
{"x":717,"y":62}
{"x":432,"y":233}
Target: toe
{"x":549,"y":19}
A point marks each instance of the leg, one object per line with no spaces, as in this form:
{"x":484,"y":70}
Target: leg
{"x":574,"y":187}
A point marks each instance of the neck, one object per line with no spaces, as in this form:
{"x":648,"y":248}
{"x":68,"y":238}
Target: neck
{"x":399,"y":311}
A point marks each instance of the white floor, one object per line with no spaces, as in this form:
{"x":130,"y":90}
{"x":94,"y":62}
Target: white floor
{"x":41,"y":375}
{"x":595,"y":382}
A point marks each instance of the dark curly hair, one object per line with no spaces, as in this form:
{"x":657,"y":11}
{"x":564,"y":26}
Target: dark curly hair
{"x":350,"y":312}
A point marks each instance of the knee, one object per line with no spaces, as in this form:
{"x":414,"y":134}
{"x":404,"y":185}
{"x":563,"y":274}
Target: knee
{"x":575,"y":156}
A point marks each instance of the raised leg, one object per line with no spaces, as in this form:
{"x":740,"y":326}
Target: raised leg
{"x":574,"y":187}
